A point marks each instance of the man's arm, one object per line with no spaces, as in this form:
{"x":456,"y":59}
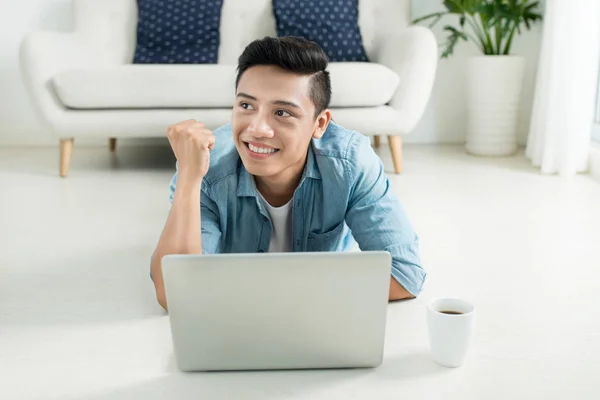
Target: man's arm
{"x":378,"y":221}
{"x":181,"y":234}
{"x":191,"y":143}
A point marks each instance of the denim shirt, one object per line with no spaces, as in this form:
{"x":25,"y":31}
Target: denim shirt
{"x":343,"y":199}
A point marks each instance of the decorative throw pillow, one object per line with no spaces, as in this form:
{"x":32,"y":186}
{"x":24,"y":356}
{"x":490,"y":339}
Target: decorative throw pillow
{"x":333,"y":24}
{"x":178,"y":31}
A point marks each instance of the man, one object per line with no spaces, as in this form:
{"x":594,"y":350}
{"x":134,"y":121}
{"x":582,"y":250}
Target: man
{"x":283,"y":176}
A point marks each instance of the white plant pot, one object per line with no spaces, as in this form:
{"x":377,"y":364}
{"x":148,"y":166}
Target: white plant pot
{"x":493,"y":100}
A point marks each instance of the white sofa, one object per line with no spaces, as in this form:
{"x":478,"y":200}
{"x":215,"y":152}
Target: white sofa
{"x":83,"y":83}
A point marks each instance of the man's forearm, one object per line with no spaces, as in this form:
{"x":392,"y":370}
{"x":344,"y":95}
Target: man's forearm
{"x":397,"y":291}
{"x":181,"y":234}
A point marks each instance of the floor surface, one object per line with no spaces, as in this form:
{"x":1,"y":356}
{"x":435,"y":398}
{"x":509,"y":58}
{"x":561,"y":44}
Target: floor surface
{"x":525,"y":248}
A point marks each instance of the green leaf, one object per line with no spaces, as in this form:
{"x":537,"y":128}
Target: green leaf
{"x":453,"y":39}
{"x":455,"y":32}
{"x":453,"y":7}
{"x":463,"y":6}
{"x":489,"y":24}
{"x":436,"y":16}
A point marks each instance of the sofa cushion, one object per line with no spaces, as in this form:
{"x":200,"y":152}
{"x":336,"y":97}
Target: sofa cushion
{"x":147,"y":86}
{"x":178,"y":31}
{"x":358,"y":84}
{"x":204,"y":86}
{"x":333,"y":24}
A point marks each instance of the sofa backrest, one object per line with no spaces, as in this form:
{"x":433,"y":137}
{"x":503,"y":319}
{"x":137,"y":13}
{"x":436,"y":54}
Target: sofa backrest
{"x":112,"y":24}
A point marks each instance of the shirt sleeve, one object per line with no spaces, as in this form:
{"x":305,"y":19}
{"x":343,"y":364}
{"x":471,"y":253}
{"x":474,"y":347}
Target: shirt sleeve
{"x":211,"y":229}
{"x":210,"y":221}
{"x":377,"y":219}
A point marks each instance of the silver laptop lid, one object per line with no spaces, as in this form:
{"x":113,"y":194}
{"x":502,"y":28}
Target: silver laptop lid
{"x":277,"y":311}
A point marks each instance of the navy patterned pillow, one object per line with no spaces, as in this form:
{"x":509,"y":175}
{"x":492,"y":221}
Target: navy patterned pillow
{"x":333,"y":24}
{"x":178,"y":31}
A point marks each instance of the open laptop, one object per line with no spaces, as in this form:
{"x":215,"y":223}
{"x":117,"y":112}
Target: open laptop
{"x":277,"y":310}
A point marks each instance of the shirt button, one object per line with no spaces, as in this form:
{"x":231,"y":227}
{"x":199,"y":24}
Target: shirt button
{"x":265,"y":219}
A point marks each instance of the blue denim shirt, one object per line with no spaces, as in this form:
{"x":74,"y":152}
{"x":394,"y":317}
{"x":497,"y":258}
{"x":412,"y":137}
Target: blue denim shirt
{"x":343,"y":198}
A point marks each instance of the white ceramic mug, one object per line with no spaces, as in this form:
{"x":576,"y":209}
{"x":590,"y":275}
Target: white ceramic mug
{"x":450,"y":334}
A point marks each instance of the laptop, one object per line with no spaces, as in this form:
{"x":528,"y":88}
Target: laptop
{"x":277,"y":310}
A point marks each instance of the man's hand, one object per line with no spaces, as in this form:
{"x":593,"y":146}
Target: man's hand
{"x":191,"y":142}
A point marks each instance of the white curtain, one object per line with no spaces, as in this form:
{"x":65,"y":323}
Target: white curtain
{"x":567,"y":81}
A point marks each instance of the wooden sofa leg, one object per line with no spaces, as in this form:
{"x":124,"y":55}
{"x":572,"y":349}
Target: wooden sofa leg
{"x":377,"y":140}
{"x":66,"y":149}
{"x":112,"y":144}
{"x":396,"y":148}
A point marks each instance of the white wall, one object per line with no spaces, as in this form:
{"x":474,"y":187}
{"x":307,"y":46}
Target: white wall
{"x":18,"y":121}
{"x":443,"y":122}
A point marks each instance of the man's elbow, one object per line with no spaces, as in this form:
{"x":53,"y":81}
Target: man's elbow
{"x":398,"y":292}
{"x":162,"y":299}
{"x":159,"y":286}
{"x":394,"y":297}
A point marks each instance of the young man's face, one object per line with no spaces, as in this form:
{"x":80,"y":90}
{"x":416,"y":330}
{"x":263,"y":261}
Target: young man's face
{"x":274,"y":120}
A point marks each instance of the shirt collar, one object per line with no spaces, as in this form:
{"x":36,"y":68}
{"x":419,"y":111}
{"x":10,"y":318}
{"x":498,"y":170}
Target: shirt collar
{"x":247,"y":186}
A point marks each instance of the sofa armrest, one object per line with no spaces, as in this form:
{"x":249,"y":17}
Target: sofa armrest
{"x":413,"y":56}
{"x":42,"y":55}
{"x":104,"y":35}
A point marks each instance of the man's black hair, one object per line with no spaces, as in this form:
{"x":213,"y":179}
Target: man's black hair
{"x":293,"y":54}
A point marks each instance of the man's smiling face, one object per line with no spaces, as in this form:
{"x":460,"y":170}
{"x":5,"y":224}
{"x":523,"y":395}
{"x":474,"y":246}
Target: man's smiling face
{"x":273,"y":120}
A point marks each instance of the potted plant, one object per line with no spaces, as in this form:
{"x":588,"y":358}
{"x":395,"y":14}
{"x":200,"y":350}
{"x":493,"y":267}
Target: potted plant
{"x":495,"y":78}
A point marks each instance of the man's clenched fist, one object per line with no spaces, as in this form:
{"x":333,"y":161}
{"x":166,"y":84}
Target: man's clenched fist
{"x":191,"y":142}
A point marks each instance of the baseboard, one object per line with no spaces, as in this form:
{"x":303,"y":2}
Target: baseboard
{"x":53,"y":142}
{"x":9,"y":142}
{"x":34,"y":135}
{"x":417,"y":140}
{"x":14,"y":137}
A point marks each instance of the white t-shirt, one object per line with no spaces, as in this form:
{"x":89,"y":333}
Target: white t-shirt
{"x":281,"y":218}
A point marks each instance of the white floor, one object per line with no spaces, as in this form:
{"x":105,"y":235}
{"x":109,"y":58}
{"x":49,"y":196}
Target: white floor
{"x":78,"y":318}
